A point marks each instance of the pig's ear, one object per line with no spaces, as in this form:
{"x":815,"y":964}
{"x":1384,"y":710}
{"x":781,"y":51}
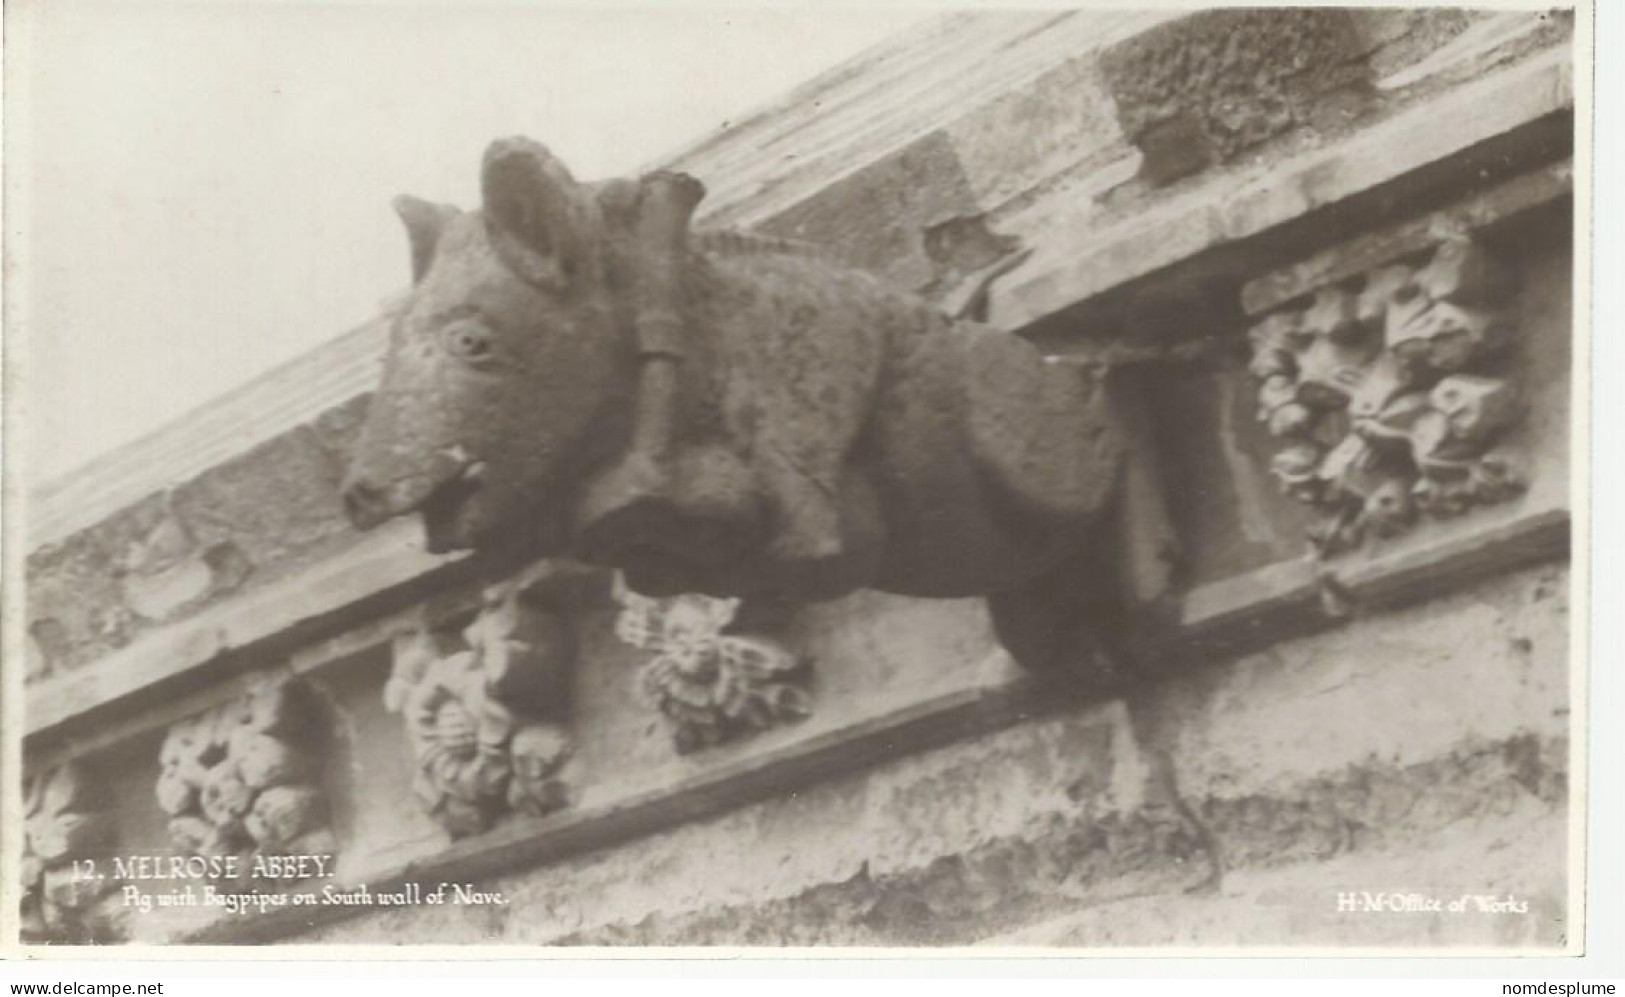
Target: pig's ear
{"x":537,"y":215}
{"x":424,"y":223}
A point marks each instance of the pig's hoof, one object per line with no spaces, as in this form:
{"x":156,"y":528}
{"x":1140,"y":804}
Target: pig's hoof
{"x":816,"y":568}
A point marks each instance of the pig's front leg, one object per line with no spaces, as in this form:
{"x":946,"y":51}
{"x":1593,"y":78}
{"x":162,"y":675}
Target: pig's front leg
{"x":824,"y":532}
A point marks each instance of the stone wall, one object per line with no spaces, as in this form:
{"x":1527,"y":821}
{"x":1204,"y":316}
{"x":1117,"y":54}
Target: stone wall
{"x":1239,"y":206}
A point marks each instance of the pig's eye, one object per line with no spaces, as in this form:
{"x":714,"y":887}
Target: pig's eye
{"x":469,"y":340}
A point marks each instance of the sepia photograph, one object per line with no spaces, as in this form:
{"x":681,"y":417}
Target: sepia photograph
{"x":509,"y":478}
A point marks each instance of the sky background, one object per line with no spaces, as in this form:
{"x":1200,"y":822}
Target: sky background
{"x":203,"y":191}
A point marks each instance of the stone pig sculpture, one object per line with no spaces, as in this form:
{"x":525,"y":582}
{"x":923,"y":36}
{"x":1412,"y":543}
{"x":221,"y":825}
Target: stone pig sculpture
{"x":577,"y":373}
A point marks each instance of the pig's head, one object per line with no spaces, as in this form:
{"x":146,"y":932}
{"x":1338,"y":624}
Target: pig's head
{"x":508,"y":369}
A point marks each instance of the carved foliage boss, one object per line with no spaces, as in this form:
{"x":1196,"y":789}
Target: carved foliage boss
{"x":1391,"y":395}
{"x":61,"y":823}
{"x":482,"y":713}
{"x":244,"y":777}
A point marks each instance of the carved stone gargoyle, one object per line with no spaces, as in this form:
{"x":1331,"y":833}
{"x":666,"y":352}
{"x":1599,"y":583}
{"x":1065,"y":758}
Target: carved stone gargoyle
{"x":578,"y":372}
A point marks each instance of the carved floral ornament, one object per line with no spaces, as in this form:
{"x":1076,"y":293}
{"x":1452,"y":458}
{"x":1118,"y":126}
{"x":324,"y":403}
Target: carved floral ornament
{"x":243,"y":778}
{"x":482,"y":714}
{"x":60,"y":824}
{"x":1391,"y":394}
{"x":711,"y":686}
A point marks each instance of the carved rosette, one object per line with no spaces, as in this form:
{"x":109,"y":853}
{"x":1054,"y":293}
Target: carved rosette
{"x":483,"y":717}
{"x":710,"y":686}
{"x":242,"y":777}
{"x":1390,"y":394}
{"x":61,"y":823}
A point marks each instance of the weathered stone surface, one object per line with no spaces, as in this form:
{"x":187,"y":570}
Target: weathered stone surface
{"x":75,"y":609}
{"x":337,"y":429}
{"x":1424,"y":49}
{"x":1482,"y":860}
{"x":1062,"y":123}
{"x":76,"y":602}
{"x":1402,"y":37}
{"x":273,"y":503}
{"x":1202,"y":89}
{"x":1100,"y":862}
{"x":877,"y":217}
{"x":266,"y":511}
{"x":167,"y":573}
